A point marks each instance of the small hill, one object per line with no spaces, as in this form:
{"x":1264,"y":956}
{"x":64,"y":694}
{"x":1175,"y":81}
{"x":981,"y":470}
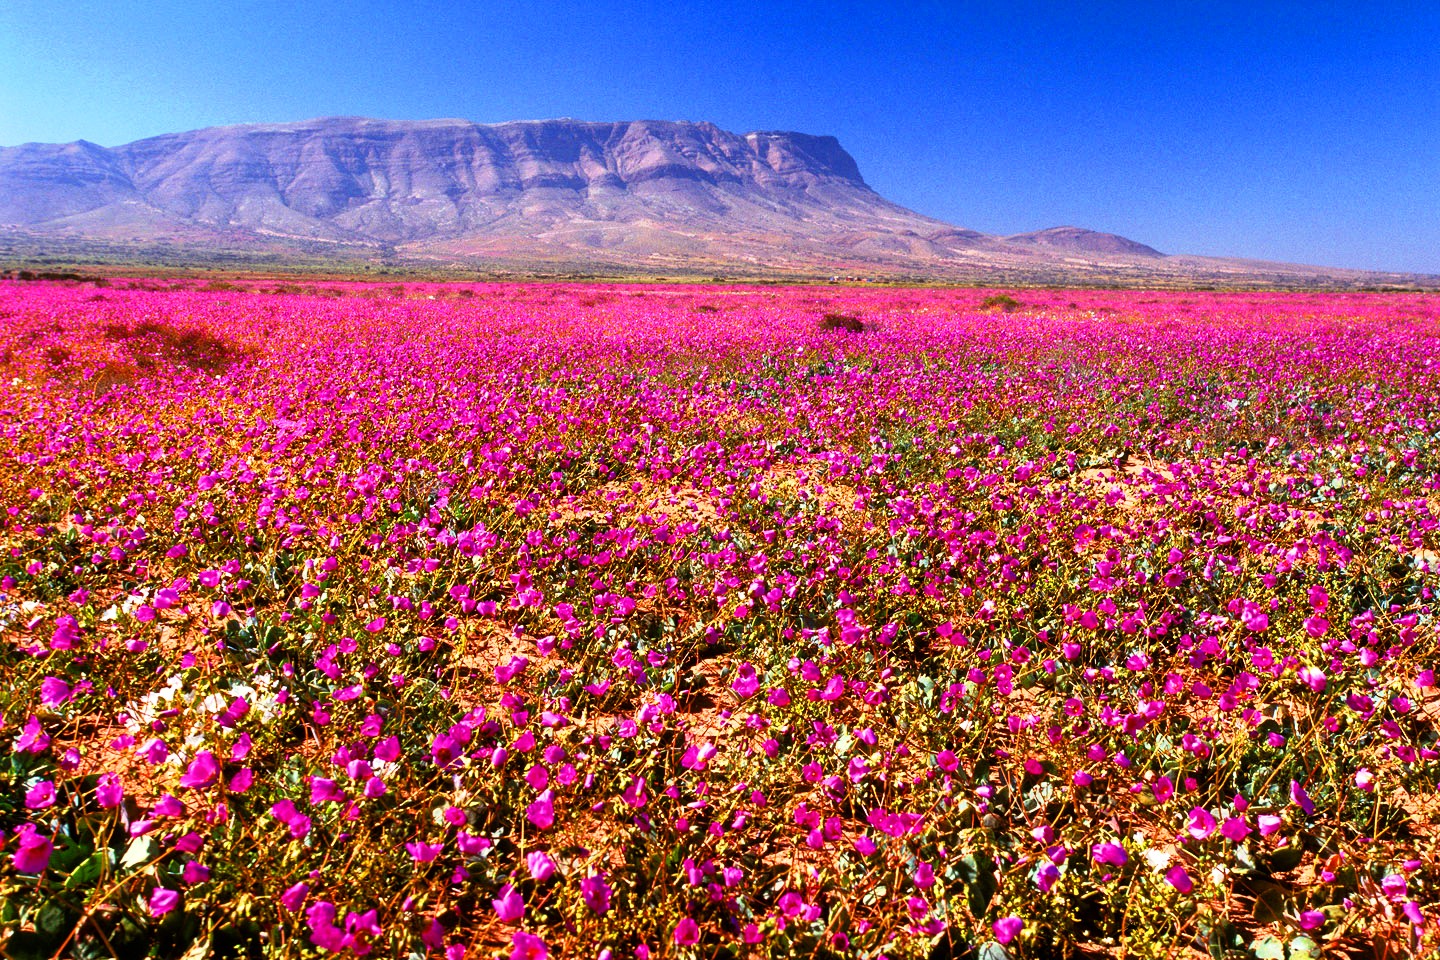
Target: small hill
{"x":1080,"y":240}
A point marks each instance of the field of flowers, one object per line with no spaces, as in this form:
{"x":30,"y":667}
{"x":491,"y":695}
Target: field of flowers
{"x":626,"y":621}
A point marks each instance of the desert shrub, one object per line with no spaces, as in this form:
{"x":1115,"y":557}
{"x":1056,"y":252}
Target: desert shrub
{"x":151,"y":342}
{"x":842,"y":321}
{"x":1000,"y":301}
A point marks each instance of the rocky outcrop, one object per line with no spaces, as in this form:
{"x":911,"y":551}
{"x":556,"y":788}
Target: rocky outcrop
{"x":398,"y":182}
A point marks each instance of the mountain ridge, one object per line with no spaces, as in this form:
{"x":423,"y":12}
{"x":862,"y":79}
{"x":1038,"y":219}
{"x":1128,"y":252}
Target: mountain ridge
{"x":647,"y":194}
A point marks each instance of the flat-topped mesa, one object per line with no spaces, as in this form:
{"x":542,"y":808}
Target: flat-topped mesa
{"x":632,"y":150}
{"x":396,"y":181}
{"x":790,"y":154}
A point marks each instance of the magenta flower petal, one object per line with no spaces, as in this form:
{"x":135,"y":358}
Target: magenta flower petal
{"x":1201,"y":824}
{"x":202,"y":772}
{"x":162,"y":901}
{"x":526,"y":946}
{"x":542,"y":811}
{"x":1109,"y":854}
{"x":1179,"y":878}
{"x":32,"y":851}
{"x":1235,"y":829}
{"x":1007,"y":928}
{"x":509,"y":906}
{"x":687,"y":932}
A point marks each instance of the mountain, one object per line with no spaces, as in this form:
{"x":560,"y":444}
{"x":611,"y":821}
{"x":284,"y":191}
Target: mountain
{"x":447,"y":181}
{"x":1080,"y":240}
{"x":553,"y":194}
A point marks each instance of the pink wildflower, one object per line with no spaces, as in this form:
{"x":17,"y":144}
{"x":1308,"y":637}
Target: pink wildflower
{"x":687,"y":932}
{"x":32,"y":851}
{"x":527,"y":946}
{"x":509,"y":906}
{"x":1007,"y":928}
{"x":1178,"y":878}
{"x":162,"y":901}
{"x":1110,"y":854}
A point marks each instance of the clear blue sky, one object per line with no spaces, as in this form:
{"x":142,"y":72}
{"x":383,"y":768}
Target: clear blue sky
{"x":1306,"y":132}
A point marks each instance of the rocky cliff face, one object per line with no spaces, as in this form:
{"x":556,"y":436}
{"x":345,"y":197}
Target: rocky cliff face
{"x":401,"y":182}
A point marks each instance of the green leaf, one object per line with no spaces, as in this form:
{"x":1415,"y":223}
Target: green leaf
{"x":1268,"y":948}
{"x":87,"y":872}
{"x":980,"y":884}
{"x":1285,"y":858}
{"x":68,"y":857}
{"x":993,"y":951}
{"x":54,"y":920}
{"x":91,"y":950}
{"x":1303,"y":948}
{"x":28,"y":945}
{"x":140,"y":851}
{"x":1269,"y":901}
